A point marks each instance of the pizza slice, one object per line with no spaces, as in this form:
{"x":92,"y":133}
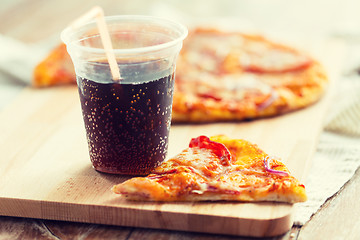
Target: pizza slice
{"x":56,"y":69}
{"x":213,"y":169}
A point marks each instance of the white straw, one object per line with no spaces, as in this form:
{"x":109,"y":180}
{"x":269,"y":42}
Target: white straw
{"x":98,"y":13}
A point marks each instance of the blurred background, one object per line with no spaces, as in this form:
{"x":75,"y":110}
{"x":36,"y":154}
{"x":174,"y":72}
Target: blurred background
{"x":319,"y":17}
{"x":38,"y":23}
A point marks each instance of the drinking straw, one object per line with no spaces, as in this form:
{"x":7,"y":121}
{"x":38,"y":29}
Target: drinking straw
{"x":98,"y":13}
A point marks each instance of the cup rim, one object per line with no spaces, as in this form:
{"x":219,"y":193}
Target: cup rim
{"x":67,"y":33}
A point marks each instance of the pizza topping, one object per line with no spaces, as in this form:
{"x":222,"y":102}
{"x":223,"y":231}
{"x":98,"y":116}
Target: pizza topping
{"x":269,"y":169}
{"x":274,"y":95}
{"x":240,"y":53}
{"x":243,"y":82}
{"x":218,"y":149}
{"x":210,"y":95}
{"x":248,"y":84}
{"x":239,"y":87}
{"x":272,"y":58}
{"x":203,"y":187}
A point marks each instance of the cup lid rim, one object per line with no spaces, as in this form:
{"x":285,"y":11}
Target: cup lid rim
{"x":66,"y":36}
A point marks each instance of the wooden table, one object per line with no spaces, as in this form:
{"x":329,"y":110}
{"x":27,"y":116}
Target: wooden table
{"x":34,"y":20}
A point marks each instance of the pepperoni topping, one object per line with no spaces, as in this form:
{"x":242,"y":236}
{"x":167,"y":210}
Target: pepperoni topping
{"x":278,"y":66}
{"x":209,"y":95}
{"x":217,"y":148}
{"x":264,"y":56}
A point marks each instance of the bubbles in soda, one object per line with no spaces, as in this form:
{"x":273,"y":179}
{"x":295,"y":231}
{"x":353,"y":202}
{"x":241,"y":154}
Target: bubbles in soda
{"x":127,"y":124}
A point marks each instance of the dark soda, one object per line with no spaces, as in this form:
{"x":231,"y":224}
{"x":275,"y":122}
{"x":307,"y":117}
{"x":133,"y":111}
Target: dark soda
{"x":127,"y":123}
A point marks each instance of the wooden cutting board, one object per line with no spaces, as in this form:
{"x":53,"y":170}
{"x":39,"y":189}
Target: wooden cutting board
{"x":45,"y":171}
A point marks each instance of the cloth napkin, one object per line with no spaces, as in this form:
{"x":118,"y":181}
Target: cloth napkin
{"x":338,"y":153}
{"x":18,"y":59}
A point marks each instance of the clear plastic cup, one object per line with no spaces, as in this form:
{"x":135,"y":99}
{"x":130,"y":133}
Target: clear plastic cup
{"x":128,"y":121}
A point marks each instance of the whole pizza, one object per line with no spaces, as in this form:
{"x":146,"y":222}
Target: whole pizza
{"x":227,"y":76}
{"x":224,"y":76}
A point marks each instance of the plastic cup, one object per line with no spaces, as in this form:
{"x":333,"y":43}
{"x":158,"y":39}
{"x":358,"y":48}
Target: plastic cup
{"x":127,"y":122}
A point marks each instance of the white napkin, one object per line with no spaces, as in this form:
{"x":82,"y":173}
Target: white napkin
{"x":345,"y":117}
{"x":338,"y":152}
{"x":19,"y":59}
{"x":334,"y":163}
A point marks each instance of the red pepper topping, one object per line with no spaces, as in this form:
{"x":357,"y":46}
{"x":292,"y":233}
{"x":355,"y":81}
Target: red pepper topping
{"x":217,"y":148}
